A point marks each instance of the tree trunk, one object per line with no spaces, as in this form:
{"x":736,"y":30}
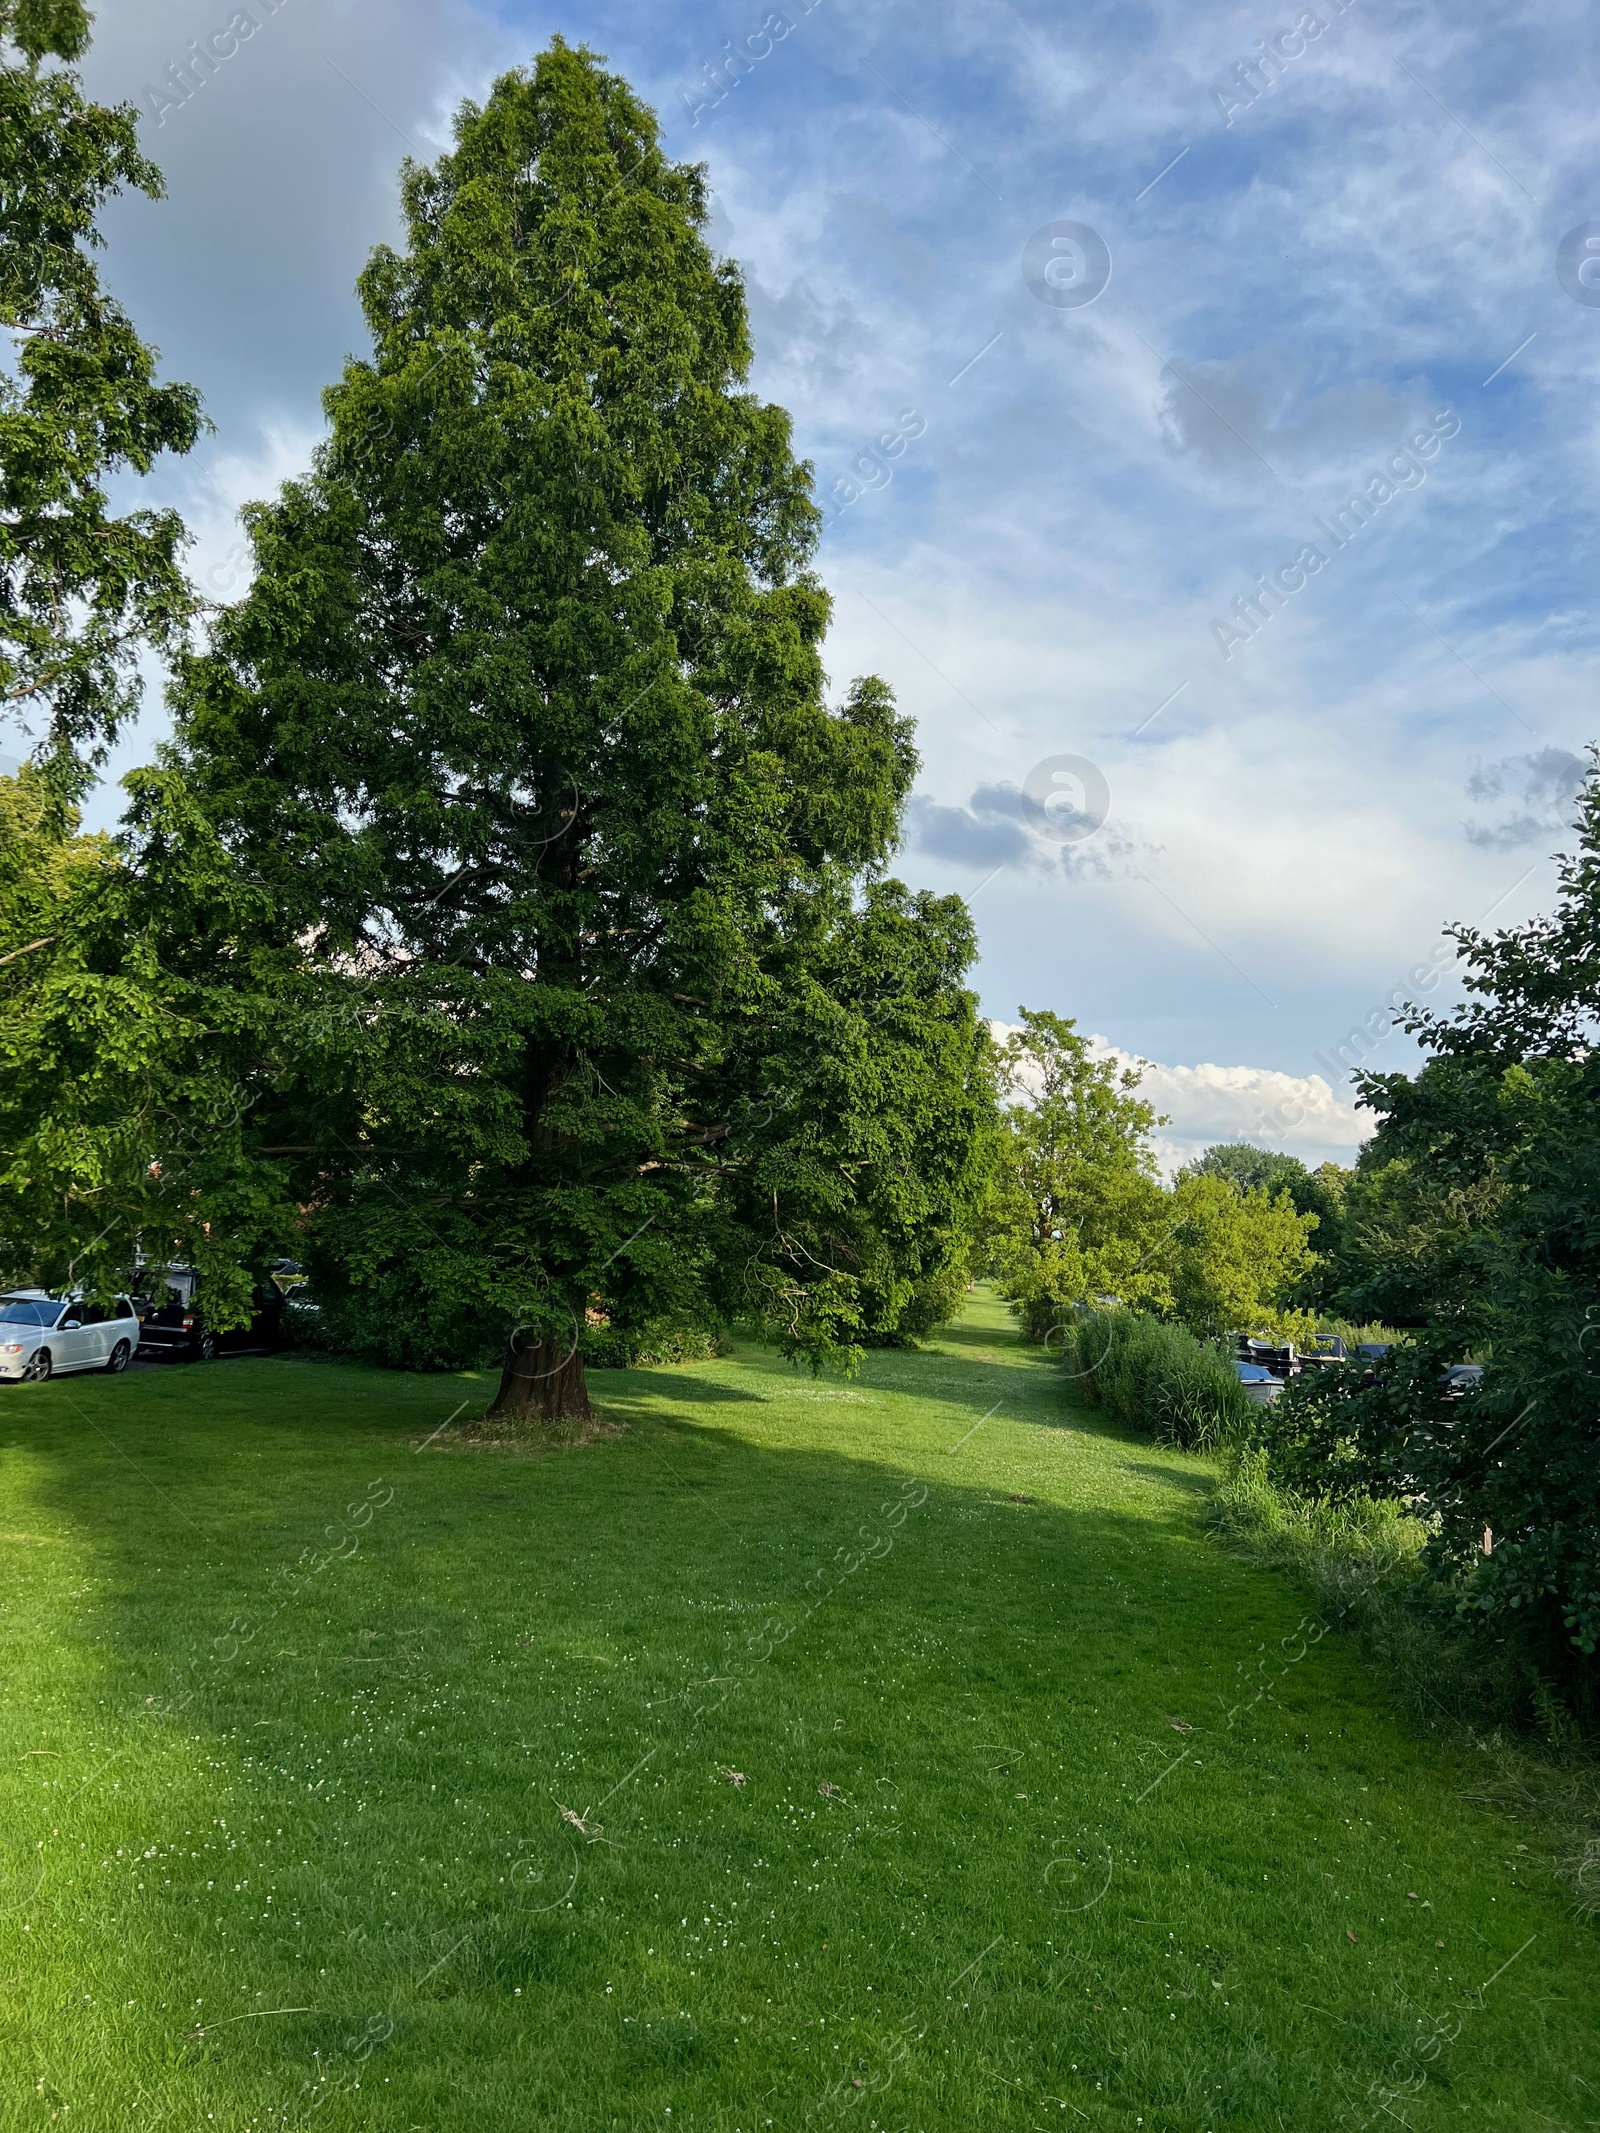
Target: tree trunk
{"x":542,"y":1382}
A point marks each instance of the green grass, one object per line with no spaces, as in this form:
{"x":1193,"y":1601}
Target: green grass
{"x":965,"y":1869}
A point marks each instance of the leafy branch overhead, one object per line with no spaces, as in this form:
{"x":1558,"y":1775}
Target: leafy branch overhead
{"x":82,"y":589}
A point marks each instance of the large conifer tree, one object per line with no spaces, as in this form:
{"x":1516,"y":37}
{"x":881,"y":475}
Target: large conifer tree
{"x":523,"y":723}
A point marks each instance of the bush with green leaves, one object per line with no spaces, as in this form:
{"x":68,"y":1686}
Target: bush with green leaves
{"x":1497,"y":1143}
{"x":647,"y":1347}
{"x":1158,"y":1378}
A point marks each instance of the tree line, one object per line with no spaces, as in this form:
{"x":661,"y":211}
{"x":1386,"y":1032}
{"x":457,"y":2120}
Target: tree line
{"x":1467,"y":1231}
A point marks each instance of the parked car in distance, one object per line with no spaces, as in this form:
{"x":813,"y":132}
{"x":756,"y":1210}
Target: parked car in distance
{"x":1326,"y":1348}
{"x":43,"y":1336}
{"x":172,"y":1319}
{"x":1373,"y":1351}
{"x":1279,"y":1362}
{"x":1259,"y":1383}
{"x":1462,"y":1378}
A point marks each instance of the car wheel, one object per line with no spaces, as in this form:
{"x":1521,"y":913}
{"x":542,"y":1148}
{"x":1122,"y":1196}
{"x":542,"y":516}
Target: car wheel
{"x":38,"y":1368}
{"x":118,"y":1358}
{"x":207,"y":1349}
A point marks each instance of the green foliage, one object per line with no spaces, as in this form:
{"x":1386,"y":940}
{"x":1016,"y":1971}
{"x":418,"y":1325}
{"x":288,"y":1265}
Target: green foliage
{"x":1075,"y":1212}
{"x":522,"y":726}
{"x":45,"y":28}
{"x":1320,"y":1192}
{"x":1074,"y":1206}
{"x":1248,"y":1168}
{"x":1157,"y":1378}
{"x":134,"y":1043}
{"x":125,"y":1069}
{"x":936,"y":1299}
{"x":877,"y":1074}
{"x":1235,"y":1259}
{"x":1352,"y":1332}
{"x":648,"y":1347}
{"x":1345,"y":1432}
{"x":1478,"y":1208}
{"x":1405,"y":1247}
{"x":82,"y":589}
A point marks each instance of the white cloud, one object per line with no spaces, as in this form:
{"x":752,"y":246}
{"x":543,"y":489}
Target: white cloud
{"x":1299,"y":1113}
{"x":1200,"y":1105}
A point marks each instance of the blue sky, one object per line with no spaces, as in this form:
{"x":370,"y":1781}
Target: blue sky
{"x":1057,"y":504}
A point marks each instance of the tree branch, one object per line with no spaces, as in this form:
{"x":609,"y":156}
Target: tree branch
{"x":43,"y":941}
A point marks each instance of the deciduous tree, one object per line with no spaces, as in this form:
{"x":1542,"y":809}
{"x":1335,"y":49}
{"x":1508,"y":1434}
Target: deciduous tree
{"x":141,"y":985}
{"x":83,"y":589}
{"x":1235,"y":1259}
{"x":1076,"y":1205}
{"x":1502,"y":1125}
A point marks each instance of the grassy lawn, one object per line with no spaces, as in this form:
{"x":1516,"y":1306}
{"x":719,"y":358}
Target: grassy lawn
{"x":801,"y":1754}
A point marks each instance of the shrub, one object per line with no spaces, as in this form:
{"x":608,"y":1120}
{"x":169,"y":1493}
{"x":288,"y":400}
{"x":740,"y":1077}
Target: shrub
{"x":394,"y":1327}
{"x":614,"y":1347}
{"x":1158,"y":1378}
{"x":1352,"y":1333}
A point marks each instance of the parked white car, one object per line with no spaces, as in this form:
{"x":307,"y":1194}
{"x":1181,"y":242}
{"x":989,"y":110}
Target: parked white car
{"x":41,"y":1335}
{"x":1259,"y":1383}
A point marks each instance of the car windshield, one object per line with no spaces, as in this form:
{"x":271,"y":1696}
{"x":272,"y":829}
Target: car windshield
{"x":166,"y":1285}
{"x":29,"y":1310}
{"x":162,"y":1294}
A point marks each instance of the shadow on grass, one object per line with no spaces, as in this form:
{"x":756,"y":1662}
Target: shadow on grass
{"x":673,"y":1382}
{"x":424,"y":1716}
{"x":1172,"y":1477}
{"x":1026,"y":1384}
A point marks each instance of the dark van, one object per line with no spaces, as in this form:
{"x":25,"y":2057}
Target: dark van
{"x":172,"y":1315}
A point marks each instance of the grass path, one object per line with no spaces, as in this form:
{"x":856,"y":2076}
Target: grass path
{"x":803,"y":1755}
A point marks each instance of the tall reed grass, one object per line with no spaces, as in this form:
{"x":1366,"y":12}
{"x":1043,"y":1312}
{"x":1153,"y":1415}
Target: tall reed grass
{"x":1158,"y":1378}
